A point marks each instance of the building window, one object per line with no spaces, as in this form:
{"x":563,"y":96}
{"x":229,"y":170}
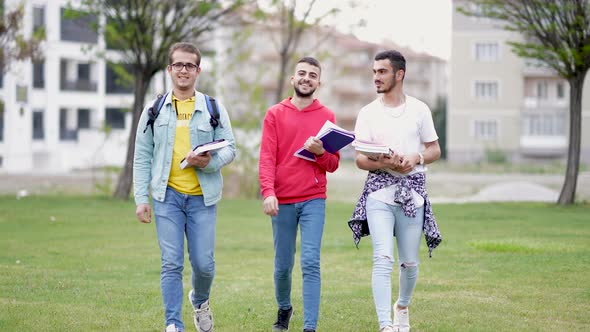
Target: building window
{"x":548,"y":124}
{"x":115,"y":118}
{"x":22,"y":94}
{"x":485,"y":129}
{"x":542,"y":90}
{"x":38,"y":18}
{"x":113,"y":40}
{"x":67,"y":125}
{"x":1,"y":79}
{"x":77,"y":76}
{"x":38,"y":126}
{"x":78,"y":28}
{"x":486,"y":90}
{"x":83,"y":118}
{"x":39,"y":75}
{"x":114,"y":83}
{"x":560,"y":90}
{"x":84,"y":71}
{"x":487,"y":51}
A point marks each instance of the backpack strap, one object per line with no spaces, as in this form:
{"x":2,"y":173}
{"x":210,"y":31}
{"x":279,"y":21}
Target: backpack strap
{"x":154,"y":111}
{"x":213,"y":109}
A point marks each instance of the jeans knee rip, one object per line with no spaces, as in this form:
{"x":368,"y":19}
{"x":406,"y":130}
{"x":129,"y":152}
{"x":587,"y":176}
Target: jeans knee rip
{"x":385,"y":258}
{"x":406,"y":265}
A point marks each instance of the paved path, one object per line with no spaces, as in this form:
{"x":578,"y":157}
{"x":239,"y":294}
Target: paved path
{"x":344,"y":185}
{"x":347,"y":183}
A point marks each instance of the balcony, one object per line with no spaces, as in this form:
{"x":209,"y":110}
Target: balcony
{"x":534,"y":103}
{"x":534,"y":70}
{"x":543,"y":130}
{"x":79,"y":85}
{"x":543,"y":146}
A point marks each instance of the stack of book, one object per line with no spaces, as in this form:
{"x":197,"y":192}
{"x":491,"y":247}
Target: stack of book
{"x":371,"y":149}
{"x":333,"y":138}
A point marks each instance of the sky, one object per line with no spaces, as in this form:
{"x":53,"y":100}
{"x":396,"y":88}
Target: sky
{"x":422,"y":25}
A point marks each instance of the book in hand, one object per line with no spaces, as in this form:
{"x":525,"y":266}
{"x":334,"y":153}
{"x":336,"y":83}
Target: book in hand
{"x":371,"y":149}
{"x":205,"y":147}
{"x":333,"y":139}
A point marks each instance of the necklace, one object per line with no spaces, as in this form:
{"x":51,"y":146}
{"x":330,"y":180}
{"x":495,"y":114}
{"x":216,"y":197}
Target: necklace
{"x":390,"y":109}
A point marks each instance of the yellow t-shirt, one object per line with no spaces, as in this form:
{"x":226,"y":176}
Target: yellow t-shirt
{"x":183,"y":180}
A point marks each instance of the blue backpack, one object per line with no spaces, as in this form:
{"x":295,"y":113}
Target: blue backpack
{"x":154,"y":111}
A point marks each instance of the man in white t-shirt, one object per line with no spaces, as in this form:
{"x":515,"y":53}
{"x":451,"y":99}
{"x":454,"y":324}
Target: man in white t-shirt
{"x":394,"y":198}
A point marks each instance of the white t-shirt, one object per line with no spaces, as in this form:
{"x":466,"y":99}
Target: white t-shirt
{"x":404,"y":129}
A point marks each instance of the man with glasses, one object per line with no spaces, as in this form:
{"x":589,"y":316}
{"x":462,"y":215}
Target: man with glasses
{"x":184,"y":200}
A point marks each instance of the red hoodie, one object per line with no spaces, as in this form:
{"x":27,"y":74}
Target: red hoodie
{"x":284,"y":131}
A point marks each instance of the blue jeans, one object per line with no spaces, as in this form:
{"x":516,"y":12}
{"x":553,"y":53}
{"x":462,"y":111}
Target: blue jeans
{"x":310,"y":216}
{"x":383,"y":220}
{"x":177,"y":215}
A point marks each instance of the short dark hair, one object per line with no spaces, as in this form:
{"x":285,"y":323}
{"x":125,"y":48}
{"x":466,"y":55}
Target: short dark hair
{"x":310,"y":60}
{"x":396,"y":59}
{"x":184,"y":47}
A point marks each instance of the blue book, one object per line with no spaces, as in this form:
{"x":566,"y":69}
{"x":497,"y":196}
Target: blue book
{"x":333,"y":138}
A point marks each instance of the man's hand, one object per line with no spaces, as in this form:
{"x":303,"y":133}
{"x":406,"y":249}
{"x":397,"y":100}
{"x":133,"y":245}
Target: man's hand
{"x":144,"y":213}
{"x":408,"y":163}
{"x":314,"y":145}
{"x":200,"y":160}
{"x":395,"y":162}
{"x":271,"y":206}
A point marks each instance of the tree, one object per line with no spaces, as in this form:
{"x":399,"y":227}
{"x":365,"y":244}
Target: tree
{"x":144,"y":31}
{"x":287,"y":30}
{"x":557,"y":34}
{"x":13,"y":45}
{"x":439,"y":117}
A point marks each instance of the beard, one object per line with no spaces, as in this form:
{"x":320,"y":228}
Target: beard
{"x":301,"y":94}
{"x":386,"y":88}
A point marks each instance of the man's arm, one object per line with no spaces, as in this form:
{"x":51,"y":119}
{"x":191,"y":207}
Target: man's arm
{"x":142,"y":160}
{"x":327,"y":161}
{"x":400,"y":163}
{"x":430,"y":154}
{"x":267,"y":163}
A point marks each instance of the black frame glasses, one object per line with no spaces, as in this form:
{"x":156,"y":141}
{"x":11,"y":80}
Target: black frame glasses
{"x":190,"y":67}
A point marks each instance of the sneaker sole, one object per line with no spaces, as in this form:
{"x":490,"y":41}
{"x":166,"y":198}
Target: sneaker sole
{"x":274,"y":329}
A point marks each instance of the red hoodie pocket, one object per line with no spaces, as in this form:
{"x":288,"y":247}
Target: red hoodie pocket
{"x":298,"y":181}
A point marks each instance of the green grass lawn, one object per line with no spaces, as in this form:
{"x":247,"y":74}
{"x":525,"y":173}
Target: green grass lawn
{"x":86,"y":264}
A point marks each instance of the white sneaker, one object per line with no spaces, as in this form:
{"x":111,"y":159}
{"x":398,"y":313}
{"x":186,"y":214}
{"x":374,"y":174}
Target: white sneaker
{"x":203,"y":317}
{"x":171,"y":328}
{"x":388,"y":328}
{"x":401,"y":319}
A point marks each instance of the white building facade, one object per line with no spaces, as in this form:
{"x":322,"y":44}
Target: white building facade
{"x":56,"y":112}
{"x":71,"y":110}
{"x":500,"y":103}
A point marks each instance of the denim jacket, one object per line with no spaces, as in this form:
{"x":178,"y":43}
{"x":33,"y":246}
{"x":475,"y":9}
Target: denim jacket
{"x":153,"y":152}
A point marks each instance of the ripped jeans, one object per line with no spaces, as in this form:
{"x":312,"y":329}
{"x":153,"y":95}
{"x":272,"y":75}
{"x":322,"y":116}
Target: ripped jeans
{"x":383,"y":219}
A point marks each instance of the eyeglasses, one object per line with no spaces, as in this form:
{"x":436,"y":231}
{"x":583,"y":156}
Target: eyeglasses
{"x":190,"y":67}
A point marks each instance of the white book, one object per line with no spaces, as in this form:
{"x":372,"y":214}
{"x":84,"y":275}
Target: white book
{"x":371,"y":149}
{"x":202,"y":148}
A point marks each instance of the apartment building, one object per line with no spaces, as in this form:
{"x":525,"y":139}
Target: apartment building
{"x":347,"y":62}
{"x":70,"y":111}
{"x":500,"y":103}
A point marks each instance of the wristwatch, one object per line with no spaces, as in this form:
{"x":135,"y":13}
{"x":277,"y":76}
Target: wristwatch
{"x":421,"y":162}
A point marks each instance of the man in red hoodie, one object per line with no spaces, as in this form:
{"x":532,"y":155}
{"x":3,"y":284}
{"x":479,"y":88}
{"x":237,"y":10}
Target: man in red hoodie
{"x":294,"y":189}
